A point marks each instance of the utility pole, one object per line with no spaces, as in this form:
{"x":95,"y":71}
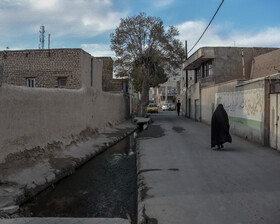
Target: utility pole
{"x":42,"y":37}
{"x":187,"y":81}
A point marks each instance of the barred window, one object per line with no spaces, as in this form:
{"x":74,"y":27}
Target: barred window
{"x":30,"y":82}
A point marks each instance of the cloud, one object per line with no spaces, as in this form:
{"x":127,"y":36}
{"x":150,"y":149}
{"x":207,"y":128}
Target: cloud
{"x":81,"y":18}
{"x":98,"y":50}
{"x":191,"y":31}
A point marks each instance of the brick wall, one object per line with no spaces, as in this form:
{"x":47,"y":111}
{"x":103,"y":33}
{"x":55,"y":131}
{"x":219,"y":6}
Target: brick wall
{"x":46,"y":66}
{"x":267,"y":64}
{"x":108,"y":83}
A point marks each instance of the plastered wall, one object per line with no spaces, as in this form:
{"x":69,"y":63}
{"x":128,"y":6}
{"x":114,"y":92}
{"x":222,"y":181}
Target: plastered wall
{"x":267,"y":64}
{"x":208,"y":98}
{"x":246,"y":112}
{"x":32,"y":117}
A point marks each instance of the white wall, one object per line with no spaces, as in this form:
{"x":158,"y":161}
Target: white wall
{"x":246,"y":112}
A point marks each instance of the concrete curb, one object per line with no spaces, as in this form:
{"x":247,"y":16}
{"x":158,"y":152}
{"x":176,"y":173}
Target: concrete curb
{"x":141,"y":186}
{"x":64,"y":221}
{"x":13,"y":194}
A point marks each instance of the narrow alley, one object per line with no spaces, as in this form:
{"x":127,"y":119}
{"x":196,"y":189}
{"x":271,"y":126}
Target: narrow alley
{"x":184,"y":181}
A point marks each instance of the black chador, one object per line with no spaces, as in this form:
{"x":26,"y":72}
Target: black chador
{"x":220,"y":127}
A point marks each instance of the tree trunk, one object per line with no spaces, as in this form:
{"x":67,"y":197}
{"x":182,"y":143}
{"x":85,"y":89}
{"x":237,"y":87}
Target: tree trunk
{"x":144,"y":98}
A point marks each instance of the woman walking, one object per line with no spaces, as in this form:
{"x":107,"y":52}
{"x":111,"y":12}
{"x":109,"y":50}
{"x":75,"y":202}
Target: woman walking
{"x":220,"y":128}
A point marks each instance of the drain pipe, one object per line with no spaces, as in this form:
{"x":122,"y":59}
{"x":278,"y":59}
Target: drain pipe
{"x":91,"y":72}
{"x":252,"y":69}
{"x":242,"y":53}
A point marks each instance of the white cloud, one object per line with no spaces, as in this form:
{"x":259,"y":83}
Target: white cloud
{"x":98,"y":50}
{"x":191,"y":31}
{"x":83,"y":18}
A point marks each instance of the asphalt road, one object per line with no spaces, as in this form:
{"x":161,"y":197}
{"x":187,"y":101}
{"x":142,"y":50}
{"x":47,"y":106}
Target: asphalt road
{"x":186,"y":182}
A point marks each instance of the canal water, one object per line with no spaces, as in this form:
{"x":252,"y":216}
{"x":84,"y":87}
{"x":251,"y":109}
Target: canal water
{"x":106,"y":186}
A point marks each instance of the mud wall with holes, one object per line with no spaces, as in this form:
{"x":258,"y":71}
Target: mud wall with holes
{"x":40,"y":117}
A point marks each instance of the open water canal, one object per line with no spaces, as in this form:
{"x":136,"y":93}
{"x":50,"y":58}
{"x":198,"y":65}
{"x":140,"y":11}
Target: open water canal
{"x":106,"y":186}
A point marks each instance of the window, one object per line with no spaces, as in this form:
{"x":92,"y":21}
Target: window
{"x":197,"y":75}
{"x":206,"y":68}
{"x":30,"y":82}
{"x":62,"y":82}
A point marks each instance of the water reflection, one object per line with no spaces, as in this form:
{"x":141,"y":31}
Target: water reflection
{"x":104,"y":187}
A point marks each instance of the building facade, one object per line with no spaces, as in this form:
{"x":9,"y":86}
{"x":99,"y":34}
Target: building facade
{"x":55,"y":68}
{"x":250,"y":95}
{"x":58,"y":68}
{"x":216,"y":65}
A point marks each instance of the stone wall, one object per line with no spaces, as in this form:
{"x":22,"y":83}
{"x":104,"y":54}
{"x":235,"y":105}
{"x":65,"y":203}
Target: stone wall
{"x":267,"y":64}
{"x":46,"y":66}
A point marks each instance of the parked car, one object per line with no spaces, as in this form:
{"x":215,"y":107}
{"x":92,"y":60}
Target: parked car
{"x":152,"y":108}
{"x":164,"y":107}
{"x":168,"y":106}
{"x":171,"y":106}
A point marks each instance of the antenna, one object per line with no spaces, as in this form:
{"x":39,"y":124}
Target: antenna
{"x":42,"y":37}
{"x":49,"y":41}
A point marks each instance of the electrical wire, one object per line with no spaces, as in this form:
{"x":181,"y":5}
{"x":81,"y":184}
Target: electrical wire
{"x":207,"y":26}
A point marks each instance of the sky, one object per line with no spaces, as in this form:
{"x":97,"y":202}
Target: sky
{"x":87,"y":24}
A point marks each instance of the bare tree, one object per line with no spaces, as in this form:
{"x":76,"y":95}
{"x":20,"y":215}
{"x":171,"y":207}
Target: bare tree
{"x":146,"y":53}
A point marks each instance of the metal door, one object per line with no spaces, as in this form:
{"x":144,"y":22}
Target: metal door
{"x":274,"y":132}
{"x":197,"y":110}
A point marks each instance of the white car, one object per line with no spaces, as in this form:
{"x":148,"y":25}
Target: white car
{"x":165,"y":107}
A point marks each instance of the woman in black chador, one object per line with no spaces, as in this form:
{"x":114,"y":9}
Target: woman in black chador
{"x":220,"y":127}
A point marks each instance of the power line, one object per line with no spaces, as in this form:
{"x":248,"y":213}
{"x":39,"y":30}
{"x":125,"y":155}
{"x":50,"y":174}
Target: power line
{"x":207,"y":26}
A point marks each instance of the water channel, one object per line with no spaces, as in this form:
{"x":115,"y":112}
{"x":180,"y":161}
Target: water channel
{"x":106,"y":186}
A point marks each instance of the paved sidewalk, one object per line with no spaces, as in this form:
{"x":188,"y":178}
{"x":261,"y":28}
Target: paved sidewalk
{"x":26,"y":176}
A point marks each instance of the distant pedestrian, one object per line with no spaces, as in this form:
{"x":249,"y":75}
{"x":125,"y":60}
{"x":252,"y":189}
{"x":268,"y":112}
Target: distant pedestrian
{"x":220,"y":128}
{"x":178,"y":106}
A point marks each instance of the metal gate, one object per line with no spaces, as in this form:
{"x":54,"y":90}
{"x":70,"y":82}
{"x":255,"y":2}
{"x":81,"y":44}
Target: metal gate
{"x":274,"y":132}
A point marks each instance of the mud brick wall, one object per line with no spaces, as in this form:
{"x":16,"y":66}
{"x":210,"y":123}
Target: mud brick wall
{"x":108,"y":82}
{"x":37,"y":117}
{"x":46,"y":66}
